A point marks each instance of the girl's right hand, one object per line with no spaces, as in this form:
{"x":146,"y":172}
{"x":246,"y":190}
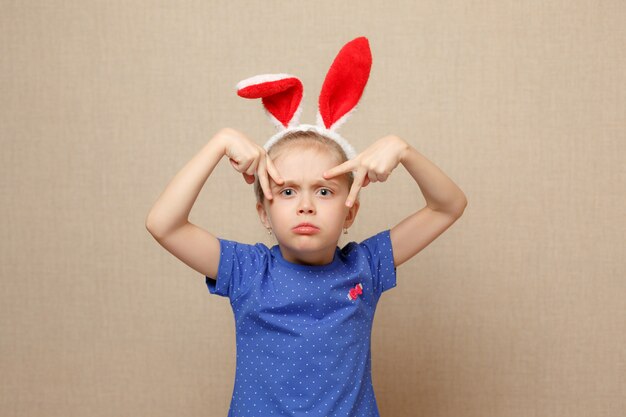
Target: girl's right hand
{"x":249,"y":158}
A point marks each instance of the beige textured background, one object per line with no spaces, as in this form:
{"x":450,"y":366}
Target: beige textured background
{"x":518,"y":310}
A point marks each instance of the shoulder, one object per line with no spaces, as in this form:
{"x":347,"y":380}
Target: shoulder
{"x":375,"y":254}
{"x":371,"y":245}
{"x":239,"y":249}
{"x":242,"y":245}
{"x":239,"y":266}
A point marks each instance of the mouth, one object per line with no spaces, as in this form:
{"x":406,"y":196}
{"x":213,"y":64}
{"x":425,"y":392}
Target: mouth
{"x":306,"y":229}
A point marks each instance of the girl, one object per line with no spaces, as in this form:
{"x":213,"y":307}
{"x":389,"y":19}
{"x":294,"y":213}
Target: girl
{"x":303,"y":308}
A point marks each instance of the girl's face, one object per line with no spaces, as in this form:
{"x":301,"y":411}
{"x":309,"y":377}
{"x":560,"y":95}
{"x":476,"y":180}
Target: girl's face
{"x":306,"y":196}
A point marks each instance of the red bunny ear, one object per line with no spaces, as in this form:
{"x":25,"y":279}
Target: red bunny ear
{"x":281,"y":96}
{"x":344,"y":83}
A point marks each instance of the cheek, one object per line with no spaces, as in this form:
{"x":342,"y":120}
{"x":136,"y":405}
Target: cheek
{"x":278,"y":208}
{"x":337,"y":209}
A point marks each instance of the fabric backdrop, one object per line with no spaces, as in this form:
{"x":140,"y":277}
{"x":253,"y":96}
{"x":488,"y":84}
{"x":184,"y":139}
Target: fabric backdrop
{"x":519,"y":309}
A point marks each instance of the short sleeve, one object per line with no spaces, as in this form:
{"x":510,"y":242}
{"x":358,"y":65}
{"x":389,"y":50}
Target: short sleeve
{"x":380,"y":257}
{"x":239,"y":264}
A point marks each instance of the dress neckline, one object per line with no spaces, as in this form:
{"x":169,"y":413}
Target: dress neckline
{"x":332,"y":265}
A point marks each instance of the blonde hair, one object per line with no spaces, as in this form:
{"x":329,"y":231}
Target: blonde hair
{"x":307,"y":140}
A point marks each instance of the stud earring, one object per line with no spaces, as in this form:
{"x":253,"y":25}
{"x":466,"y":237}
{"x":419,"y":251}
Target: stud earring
{"x":345,"y":231}
{"x":269,"y":231}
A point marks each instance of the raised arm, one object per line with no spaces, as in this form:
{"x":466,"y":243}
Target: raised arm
{"x":445,"y":203}
{"x":168,"y":220}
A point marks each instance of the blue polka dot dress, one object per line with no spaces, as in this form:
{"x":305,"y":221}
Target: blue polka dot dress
{"x":303,"y":332}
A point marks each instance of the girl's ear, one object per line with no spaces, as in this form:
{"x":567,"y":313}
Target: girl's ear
{"x":351,"y":217}
{"x":260,"y":208}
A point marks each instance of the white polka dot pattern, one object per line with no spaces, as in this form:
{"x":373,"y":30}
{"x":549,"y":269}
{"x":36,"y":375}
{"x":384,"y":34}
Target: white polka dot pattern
{"x":303,"y":332}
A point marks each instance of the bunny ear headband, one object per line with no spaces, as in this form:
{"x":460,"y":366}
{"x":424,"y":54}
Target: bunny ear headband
{"x":282,"y":95}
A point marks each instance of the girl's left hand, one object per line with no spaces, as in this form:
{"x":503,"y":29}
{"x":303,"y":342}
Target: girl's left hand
{"x":373,"y":164}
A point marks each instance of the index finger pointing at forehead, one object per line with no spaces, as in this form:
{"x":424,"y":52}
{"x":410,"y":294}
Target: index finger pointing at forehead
{"x":339,"y":169}
{"x":271,"y":169}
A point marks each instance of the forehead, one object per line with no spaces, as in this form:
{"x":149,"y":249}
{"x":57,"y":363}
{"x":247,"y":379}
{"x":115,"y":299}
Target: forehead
{"x":306,"y":165}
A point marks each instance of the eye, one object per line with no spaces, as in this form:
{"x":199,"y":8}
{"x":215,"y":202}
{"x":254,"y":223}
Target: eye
{"x":328,"y":191}
{"x":286,"y":189}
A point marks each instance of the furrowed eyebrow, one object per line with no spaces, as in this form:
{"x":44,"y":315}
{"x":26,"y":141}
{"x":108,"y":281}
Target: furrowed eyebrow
{"x":318,"y":182}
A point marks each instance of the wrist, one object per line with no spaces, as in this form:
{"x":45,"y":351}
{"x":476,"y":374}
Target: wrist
{"x":219,"y":142}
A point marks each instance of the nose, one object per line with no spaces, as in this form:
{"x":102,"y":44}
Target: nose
{"x":305,"y":205}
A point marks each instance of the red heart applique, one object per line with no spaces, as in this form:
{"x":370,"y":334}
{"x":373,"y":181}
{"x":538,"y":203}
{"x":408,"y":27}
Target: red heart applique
{"x":355,"y":292}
